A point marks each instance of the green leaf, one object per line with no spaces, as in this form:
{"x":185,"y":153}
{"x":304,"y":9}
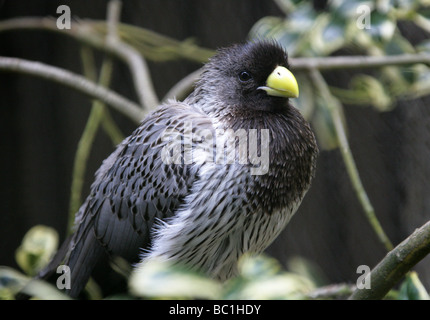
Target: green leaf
{"x":422,"y":21}
{"x":349,"y":9}
{"x":329,"y":35}
{"x":409,"y":4}
{"x":290,"y":41}
{"x":382,"y":27}
{"x":424,"y":46}
{"x":261,"y":277}
{"x":334,"y":32}
{"x":37,"y":248}
{"x":12,"y":282}
{"x":42,"y":290}
{"x":398,"y":45}
{"x":287,"y":6}
{"x":412,"y":288}
{"x":258,"y":266}
{"x":373,"y":90}
{"x":425,"y":12}
{"x":421,"y":81}
{"x":303,"y":18}
{"x":283,"y":286}
{"x":156,"y":278}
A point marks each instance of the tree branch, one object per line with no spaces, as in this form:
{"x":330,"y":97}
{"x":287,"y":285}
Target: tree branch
{"x":77,"y":82}
{"x":84,"y":33}
{"x":88,"y":135}
{"x":98,"y":110}
{"x":396,"y":264}
{"x":332,"y":291}
{"x":138,"y":68}
{"x":352,"y":62}
{"x":334,"y":108}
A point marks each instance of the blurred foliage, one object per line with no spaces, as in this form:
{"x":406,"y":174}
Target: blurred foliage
{"x":156,"y":279}
{"x":38,"y":246}
{"x":355,"y":27}
{"x":412,"y":288}
{"x":259,"y":278}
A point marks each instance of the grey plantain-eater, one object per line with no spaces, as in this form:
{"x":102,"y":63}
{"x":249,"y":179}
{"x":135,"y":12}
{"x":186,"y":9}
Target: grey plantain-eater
{"x":203,"y":181}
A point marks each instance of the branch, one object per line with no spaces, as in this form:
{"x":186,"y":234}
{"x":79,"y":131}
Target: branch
{"x":138,"y":68}
{"x":334,"y":108}
{"x":98,"y":111}
{"x":333,"y":291}
{"x":72,"y":80}
{"x":88,"y":135}
{"x":83,"y":33}
{"x":396,"y":264}
{"x":144,"y":87}
{"x":352,"y":62}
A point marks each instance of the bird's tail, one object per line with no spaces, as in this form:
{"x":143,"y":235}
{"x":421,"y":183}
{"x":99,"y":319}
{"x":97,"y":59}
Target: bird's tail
{"x":74,"y":262}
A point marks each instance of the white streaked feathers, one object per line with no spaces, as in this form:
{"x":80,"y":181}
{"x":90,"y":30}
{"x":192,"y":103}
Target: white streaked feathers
{"x":215,"y":226}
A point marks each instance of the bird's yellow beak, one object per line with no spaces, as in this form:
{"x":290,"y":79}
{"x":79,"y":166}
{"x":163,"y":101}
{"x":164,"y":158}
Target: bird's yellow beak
{"x":281,"y":83}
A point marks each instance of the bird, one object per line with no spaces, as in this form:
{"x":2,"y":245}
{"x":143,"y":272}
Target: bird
{"x":201,"y":182}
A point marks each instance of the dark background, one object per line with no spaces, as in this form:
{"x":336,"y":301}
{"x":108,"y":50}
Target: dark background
{"x":41,"y":123}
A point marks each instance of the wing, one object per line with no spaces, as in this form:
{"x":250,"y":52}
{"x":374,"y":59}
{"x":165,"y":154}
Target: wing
{"x":136,"y":185}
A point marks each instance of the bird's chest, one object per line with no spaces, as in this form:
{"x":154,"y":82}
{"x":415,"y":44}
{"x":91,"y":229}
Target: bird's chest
{"x":253,"y":233}
{"x":281,"y":168}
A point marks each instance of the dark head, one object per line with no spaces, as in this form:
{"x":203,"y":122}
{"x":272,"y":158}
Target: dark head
{"x":253,"y":76}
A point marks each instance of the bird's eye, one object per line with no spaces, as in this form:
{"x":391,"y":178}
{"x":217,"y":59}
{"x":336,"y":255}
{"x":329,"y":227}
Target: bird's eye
{"x":244,"y":76}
